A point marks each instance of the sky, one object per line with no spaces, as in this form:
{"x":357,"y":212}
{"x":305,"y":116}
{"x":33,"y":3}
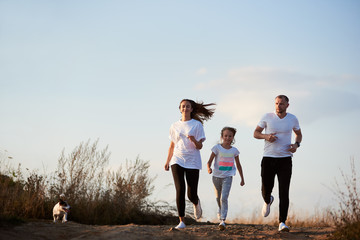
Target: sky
{"x":116,"y":71}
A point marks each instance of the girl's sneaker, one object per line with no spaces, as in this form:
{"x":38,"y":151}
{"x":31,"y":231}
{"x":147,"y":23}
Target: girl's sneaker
{"x":197,"y":211}
{"x":181,"y":225}
{"x":222,"y":225}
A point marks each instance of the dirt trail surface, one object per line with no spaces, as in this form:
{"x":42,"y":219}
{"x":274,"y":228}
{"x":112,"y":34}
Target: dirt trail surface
{"x":73,"y":230}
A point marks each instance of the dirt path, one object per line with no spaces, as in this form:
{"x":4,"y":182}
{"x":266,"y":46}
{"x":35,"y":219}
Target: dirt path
{"x":72,"y":230}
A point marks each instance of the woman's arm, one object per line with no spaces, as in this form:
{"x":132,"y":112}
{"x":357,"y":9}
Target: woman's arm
{"x":198,"y":144}
{"x":170,"y":154}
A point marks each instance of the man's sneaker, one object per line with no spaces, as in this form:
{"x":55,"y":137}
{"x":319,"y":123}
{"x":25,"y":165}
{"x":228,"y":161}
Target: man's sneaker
{"x":181,"y":225}
{"x":266,"y":207}
{"x":222,"y":225}
{"x":283,"y":227}
{"x":197,"y":210}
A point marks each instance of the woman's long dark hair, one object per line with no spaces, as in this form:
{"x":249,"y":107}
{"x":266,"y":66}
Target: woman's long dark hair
{"x":200,"y":112}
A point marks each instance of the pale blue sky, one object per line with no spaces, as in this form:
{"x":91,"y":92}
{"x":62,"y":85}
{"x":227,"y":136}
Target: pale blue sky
{"x":116,"y":70}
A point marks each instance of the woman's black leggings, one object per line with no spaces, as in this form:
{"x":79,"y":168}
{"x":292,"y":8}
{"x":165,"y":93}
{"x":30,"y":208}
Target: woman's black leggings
{"x":192,"y":179}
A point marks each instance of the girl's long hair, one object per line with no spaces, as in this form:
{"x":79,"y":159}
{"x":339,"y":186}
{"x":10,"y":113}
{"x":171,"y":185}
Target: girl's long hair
{"x":201,"y":111}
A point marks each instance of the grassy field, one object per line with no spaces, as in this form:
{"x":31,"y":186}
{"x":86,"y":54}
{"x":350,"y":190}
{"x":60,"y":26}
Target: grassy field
{"x":121,"y":196}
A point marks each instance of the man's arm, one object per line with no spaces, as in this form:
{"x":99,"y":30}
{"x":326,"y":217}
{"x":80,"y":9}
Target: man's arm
{"x":298,"y":139}
{"x":268,"y":137}
{"x":298,"y":136}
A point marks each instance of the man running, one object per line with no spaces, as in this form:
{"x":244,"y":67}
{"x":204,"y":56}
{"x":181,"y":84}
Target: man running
{"x":277,"y":158}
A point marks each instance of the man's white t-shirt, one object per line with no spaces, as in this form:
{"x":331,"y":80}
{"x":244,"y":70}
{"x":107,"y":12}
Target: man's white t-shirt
{"x":224,"y":164}
{"x":185,"y":153}
{"x":282,"y":128}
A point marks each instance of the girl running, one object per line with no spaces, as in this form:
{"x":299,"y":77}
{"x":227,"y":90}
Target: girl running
{"x":224,"y":169}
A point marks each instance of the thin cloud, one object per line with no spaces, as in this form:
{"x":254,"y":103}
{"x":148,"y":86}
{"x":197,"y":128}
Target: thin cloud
{"x":201,"y":71}
{"x":245,"y":94}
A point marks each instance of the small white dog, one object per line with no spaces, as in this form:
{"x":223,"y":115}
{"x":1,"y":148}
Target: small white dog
{"x":61,"y":209}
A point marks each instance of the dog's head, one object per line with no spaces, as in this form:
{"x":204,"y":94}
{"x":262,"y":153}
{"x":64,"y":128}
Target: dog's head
{"x":64,"y":206}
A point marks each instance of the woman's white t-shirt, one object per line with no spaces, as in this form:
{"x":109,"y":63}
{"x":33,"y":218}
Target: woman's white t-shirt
{"x":224,"y":161}
{"x":185,"y":153}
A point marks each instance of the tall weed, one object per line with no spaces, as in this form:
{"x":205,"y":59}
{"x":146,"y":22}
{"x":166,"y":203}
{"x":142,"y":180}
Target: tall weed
{"x":347,"y":217}
{"x":96,"y":195}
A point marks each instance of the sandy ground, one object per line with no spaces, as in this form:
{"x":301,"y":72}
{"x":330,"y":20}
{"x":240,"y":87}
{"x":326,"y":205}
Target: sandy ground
{"x":72,"y":230}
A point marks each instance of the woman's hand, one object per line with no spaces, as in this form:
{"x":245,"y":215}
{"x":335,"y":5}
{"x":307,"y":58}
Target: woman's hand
{"x":198,"y":144}
{"x":192,"y":138}
{"x":170,"y":154}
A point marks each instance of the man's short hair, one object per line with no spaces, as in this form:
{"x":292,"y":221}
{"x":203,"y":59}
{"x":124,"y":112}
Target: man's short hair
{"x":283,"y":97}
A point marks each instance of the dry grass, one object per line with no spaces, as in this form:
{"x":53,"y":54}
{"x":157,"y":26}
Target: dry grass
{"x":320,"y":218}
{"x":97,"y":195}
{"x":347,"y":216}
{"x":100,"y":196}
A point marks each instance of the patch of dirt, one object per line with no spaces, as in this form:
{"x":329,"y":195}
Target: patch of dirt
{"x":72,"y":230}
